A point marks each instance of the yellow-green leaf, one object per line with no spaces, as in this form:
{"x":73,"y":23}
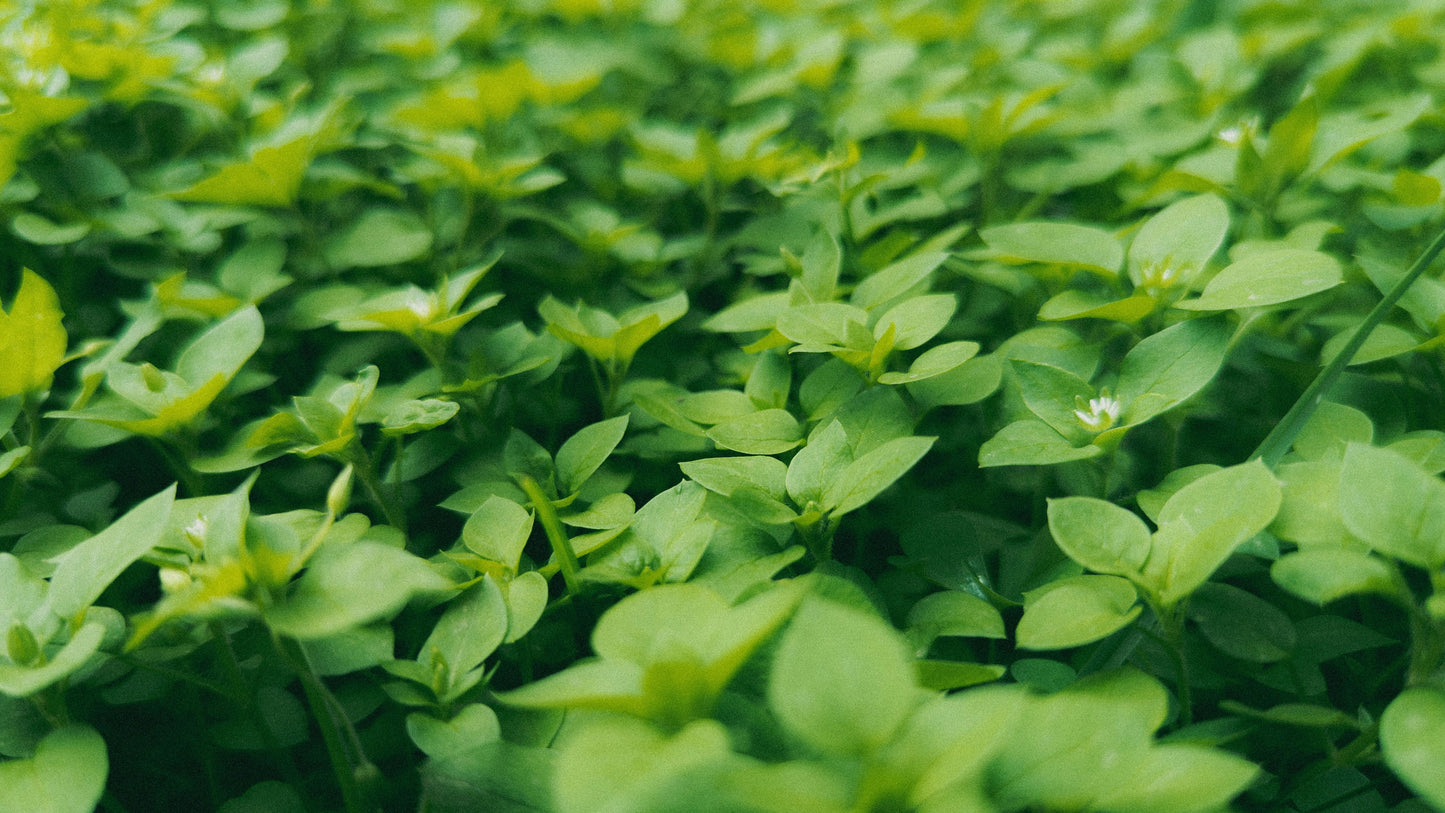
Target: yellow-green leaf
{"x":32,"y":340}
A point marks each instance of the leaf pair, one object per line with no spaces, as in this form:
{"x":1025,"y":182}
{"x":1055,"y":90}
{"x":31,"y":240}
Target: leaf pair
{"x":1199,"y":527}
{"x":1074,"y":421}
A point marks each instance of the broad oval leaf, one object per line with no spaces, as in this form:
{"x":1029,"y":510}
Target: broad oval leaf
{"x":1180,"y":778}
{"x":1076,"y":611}
{"x":766,"y":432}
{"x":952,"y":612}
{"x":1393,"y":505}
{"x":1410,"y":738}
{"x":1242,"y":625}
{"x":1056,"y":243}
{"x":1268,"y":278}
{"x":830,"y":657}
{"x":1031,"y":443}
{"x":1202,"y":524}
{"x":498,"y":530}
{"x":1099,"y":535}
{"x":350,"y":585}
{"x":1169,"y":367}
{"x":917,"y":319}
{"x":726,"y":475}
{"x":1323,"y":575}
{"x":66,"y":775}
{"x":1173,"y":245}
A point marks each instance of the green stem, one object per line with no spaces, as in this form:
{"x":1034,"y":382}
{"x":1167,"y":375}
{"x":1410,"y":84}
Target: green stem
{"x":324,"y":711}
{"x":185,"y":475}
{"x":556,"y":535}
{"x":366,"y":473}
{"x":1273,"y":448}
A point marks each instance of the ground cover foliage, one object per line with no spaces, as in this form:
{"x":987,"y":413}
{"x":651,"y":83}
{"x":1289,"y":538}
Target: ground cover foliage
{"x":693,"y":405}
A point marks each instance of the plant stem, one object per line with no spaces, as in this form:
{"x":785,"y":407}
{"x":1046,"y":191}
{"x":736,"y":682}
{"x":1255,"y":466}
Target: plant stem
{"x":556,"y":535}
{"x":185,"y":475}
{"x":1274,"y":446}
{"x":366,"y":473}
{"x":323,"y":709}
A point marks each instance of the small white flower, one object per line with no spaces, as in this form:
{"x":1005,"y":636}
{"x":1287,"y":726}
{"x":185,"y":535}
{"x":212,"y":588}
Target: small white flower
{"x":1099,"y":413}
{"x":195,"y":532}
{"x":1231,"y":135}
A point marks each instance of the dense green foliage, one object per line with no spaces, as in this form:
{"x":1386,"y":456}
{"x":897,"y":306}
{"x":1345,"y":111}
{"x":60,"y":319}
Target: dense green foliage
{"x":703,"y":405}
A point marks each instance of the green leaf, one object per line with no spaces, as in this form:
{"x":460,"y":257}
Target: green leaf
{"x":379,"y":236}
{"x":471,"y":629}
{"x":727,"y":475}
{"x":952,"y":612}
{"x":1174,"y":245}
{"x":820,"y":325}
{"x":1031,"y":443}
{"x":349,"y":585}
{"x":32,"y":228}
{"x":1076,"y":611}
{"x":969,"y":383}
{"x":19,"y":680}
{"x":1242,"y":625}
{"x":1074,"y":303}
{"x":1324,"y":575}
{"x":1072,"y":746}
{"x":1268,"y":278}
{"x":1099,"y":535}
{"x":896,"y":279}
{"x":934,"y":361}
{"x":88,"y":568}
{"x":1411,"y":742}
{"x":66,"y":775}
{"x":1053,"y":393}
{"x":1287,"y":153}
{"x":32,"y":339}
{"x":1393,"y":505}
{"x":583,"y":453}
{"x":917,"y":319}
{"x":1169,"y":367}
{"x":830,"y":656}
{"x":868,"y":475}
{"x":410,"y":417}
{"x":272,"y":177}
{"x":222,"y":349}
{"x":766,"y":432}
{"x":1202,"y":524}
{"x":1057,"y":243}
{"x":816,"y":465}
{"x":476,"y":724}
{"x":1180,"y":778}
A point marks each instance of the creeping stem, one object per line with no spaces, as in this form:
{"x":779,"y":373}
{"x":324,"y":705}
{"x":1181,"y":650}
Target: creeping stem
{"x":556,"y":535}
{"x":1273,"y":448}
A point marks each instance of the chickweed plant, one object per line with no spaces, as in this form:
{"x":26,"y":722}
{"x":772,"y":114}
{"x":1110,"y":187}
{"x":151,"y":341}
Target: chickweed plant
{"x":722,"y":406}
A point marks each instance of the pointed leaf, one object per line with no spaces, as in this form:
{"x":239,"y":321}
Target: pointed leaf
{"x":1267,"y":278}
{"x":32,"y":339}
{"x":867,"y":476}
{"x":583,"y":453}
{"x":88,"y":568}
{"x":1099,"y":535}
